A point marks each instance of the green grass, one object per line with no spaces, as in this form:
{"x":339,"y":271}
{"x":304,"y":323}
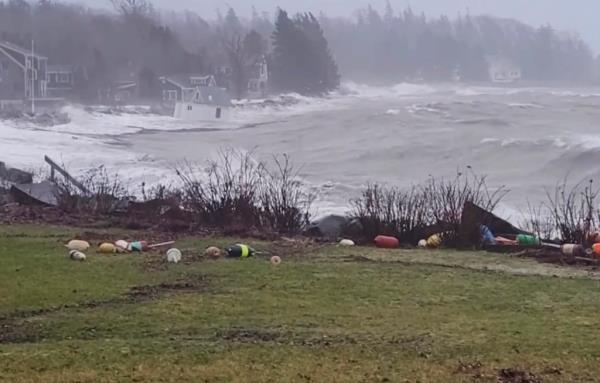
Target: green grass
{"x":326,"y":314}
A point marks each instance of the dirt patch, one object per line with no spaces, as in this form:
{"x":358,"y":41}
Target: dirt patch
{"x":14,"y":329}
{"x":419,"y":344}
{"x":510,"y":375}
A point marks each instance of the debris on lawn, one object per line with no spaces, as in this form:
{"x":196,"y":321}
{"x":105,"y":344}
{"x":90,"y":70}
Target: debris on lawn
{"x":387,"y":242}
{"x":174,"y":255}
{"x":213,"y":252}
{"x":78,"y":245}
{"x":347,"y":242}
{"x":77,"y":255}
{"x":240,"y":251}
{"x":107,"y":248}
{"x":122,"y":245}
{"x":138,"y":246}
{"x":275,"y":260}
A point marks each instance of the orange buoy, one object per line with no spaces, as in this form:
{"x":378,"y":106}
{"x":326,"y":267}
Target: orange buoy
{"x":596,"y":250}
{"x":385,"y":242}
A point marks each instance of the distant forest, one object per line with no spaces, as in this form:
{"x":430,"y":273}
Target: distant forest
{"x":306,"y":53}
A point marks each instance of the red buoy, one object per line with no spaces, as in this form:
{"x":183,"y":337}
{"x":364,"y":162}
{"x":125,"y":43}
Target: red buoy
{"x":385,"y":242}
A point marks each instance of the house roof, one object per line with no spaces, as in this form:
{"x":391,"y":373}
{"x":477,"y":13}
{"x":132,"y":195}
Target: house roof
{"x":212,"y":95}
{"x":18,"y":49}
{"x":184,"y":81}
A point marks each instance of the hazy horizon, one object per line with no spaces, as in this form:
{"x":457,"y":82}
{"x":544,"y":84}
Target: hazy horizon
{"x":575,"y":16}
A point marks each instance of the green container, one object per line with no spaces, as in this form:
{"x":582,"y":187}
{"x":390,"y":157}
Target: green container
{"x":527,"y":240}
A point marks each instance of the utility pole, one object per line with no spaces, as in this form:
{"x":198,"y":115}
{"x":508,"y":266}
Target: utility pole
{"x":33,"y":72}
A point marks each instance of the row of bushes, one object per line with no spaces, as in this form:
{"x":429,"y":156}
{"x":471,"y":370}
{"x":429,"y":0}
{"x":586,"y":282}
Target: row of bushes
{"x":231,"y":191}
{"x":235,"y":190}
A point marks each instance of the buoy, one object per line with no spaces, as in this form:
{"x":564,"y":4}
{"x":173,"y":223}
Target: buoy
{"x":528,"y":240}
{"x":386,"y":242}
{"x":423,"y":243}
{"x":107,"y":248}
{"x":596,"y":250}
{"x":121,"y":244}
{"x":275,"y":260}
{"x":434,"y":241}
{"x":173,"y":255}
{"x":240,"y":251}
{"x":571,"y":250}
{"x":78,"y":245}
{"x":138,"y":246}
{"x":77,"y":255}
{"x":212,"y":252}
{"x":347,"y":242}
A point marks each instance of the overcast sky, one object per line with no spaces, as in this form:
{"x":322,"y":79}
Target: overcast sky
{"x":573,"y":15}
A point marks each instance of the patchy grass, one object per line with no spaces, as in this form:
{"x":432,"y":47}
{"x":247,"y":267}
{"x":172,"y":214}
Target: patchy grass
{"x":325,"y":314}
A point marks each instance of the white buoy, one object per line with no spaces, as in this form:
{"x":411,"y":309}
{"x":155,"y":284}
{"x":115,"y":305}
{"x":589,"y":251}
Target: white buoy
{"x":275,"y":260}
{"x":423,"y":243}
{"x":347,"y":242}
{"x":174,"y":256}
{"x":78,"y":245}
{"x":77,"y":255}
{"x":121,"y":244}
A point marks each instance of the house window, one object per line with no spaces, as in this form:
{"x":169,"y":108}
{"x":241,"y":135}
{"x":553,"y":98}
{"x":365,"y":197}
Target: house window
{"x":169,"y":95}
{"x":63,"y":78}
{"x":198,"y":81}
{"x":189,"y":107}
{"x":218,"y":113}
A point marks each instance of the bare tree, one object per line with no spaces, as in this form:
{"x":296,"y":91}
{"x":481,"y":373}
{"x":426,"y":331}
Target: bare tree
{"x":133,"y":7}
{"x":236,"y":55}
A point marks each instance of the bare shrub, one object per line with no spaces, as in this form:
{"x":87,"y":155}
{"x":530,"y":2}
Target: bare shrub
{"x":406,"y":213}
{"x":285,"y":205}
{"x":103,"y":193}
{"x":390,"y":211}
{"x":538,"y":219}
{"x":574,"y":210}
{"x":237,"y":191}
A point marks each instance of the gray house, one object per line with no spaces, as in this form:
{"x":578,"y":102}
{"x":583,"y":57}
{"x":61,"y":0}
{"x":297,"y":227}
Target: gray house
{"x":22,"y":75}
{"x":179,"y":88}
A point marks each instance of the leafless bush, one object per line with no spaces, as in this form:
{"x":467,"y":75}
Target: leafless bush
{"x":406,"y":213}
{"x":574,"y":210}
{"x":236,"y":191}
{"x":391,"y":210}
{"x":103,"y":193}
{"x":285,"y":206}
{"x":538,"y":220}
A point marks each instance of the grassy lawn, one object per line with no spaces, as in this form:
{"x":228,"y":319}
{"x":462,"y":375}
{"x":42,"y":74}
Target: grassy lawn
{"x":326,"y":314}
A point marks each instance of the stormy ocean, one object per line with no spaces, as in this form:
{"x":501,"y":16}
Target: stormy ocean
{"x":524,"y":138}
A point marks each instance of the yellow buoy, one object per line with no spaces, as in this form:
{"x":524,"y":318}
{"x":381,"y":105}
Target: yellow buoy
{"x":434,"y":241}
{"x":107,"y":248}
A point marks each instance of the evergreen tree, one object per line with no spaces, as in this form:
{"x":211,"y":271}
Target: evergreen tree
{"x":302,"y":61}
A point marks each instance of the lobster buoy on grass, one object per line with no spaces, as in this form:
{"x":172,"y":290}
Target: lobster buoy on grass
{"x":434,"y":241}
{"x":174,"y":256}
{"x":78,"y":245}
{"x":275,"y":260}
{"x":212,"y":252}
{"x":385,"y":242}
{"x":528,"y":240}
{"x":77,"y":255}
{"x":138,"y":246}
{"x":240,"y":251}
{"x":596,"y":250}
{"x":107,"y":248}
{"x":571,"y":250}
{"x":422,"y":243}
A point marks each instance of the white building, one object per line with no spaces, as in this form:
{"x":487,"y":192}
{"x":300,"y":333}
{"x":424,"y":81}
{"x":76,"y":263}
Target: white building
{"x":205,"y":103}
{"x":504,"y":71}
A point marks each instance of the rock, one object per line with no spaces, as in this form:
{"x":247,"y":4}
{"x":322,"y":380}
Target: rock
{"x":15,"y":175}
{"x":335,"y":226}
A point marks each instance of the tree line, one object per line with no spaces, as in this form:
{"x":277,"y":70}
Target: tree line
{"x":306,"y":53}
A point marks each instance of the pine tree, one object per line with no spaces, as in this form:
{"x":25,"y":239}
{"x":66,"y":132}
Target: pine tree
{"x":302,"y":61}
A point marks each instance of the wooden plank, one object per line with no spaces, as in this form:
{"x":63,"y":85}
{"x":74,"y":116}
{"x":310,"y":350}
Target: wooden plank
{"x":55,"y":167}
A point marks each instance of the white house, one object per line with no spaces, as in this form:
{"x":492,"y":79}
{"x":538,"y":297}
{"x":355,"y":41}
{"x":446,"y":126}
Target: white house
{"x":504,"y":71}
{"x":259,"y":79}
{"x":205,"y":103}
